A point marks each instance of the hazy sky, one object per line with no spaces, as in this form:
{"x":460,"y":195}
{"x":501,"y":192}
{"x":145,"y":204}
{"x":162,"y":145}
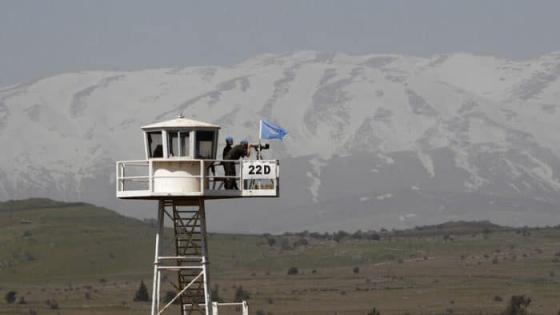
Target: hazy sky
{"x":40,"y":38}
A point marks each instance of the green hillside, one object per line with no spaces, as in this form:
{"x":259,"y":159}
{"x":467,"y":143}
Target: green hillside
{"x":90,"y":260}
{"x":43,"y":241}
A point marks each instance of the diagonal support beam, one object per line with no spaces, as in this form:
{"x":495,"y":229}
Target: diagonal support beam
{"x":181,"y":293}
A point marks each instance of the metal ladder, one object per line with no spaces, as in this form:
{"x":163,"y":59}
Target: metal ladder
{"x":190,"y":241}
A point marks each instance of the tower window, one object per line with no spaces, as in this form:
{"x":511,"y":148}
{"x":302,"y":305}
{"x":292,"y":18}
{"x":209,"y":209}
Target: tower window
{"x":178,"y":143}
{"x":155,"y":144}
{"x":173,"y":144}
{"x":185,"y":143}
{"x":204,"y":144}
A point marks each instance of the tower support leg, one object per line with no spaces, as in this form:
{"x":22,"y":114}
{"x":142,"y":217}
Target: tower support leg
{"x":190,"y":261}
{"x":156,"y":284}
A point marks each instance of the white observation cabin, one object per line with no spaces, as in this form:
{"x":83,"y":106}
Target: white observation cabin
{"x":181,"y":162}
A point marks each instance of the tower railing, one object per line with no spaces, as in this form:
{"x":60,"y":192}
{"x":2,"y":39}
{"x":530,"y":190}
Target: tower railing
{"x":137,"y":179}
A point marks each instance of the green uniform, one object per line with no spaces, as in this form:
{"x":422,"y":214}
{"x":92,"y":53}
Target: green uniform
{"x":235,"y":153}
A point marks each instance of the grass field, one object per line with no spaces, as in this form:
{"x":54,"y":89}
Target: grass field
{"x":79,"y":259}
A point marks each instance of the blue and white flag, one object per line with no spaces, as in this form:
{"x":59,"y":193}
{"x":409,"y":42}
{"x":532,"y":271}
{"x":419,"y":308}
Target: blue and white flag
{"x":271,"y":131}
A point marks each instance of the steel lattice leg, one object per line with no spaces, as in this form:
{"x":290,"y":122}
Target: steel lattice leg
{"x":190,"y":260}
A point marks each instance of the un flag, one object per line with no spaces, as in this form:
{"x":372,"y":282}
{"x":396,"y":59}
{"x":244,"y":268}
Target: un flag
{"x":271,"y":131}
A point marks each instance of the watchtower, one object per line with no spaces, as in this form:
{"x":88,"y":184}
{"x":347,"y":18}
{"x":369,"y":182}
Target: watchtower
{"x":181,"y":171}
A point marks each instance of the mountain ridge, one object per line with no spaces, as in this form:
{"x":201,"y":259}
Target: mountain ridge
{"x":445,"y":130}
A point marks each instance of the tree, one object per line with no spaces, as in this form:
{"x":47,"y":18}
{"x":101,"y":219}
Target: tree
{"x":10,"y":297}
{"x":374,"y":311}
{"x":358,"y":235}
{"x":142,"y":294}
{"x":339,"y":236}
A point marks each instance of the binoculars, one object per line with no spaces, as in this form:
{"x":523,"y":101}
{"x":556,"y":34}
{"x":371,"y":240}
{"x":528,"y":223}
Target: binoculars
{"x":260,"y":147}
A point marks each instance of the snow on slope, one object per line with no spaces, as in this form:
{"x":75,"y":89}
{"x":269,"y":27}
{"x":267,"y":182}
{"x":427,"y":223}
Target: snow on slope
{"x":487,"y":125}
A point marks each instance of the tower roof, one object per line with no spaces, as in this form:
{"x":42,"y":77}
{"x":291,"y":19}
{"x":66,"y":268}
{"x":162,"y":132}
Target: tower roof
{"x":180,"y":122}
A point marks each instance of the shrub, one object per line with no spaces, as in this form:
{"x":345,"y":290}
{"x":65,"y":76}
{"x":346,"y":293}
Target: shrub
{"x":52,"y":304}
{"x":10,"y":297}
{"x":215,"y":294}
{"x":374,"y":311}
{"x":339,"y":236}
{"x":301,"y":242}
{"x":293,"y":271}
{"x":142,"y":294}
{"x":28,"y":257}
{"x":271,"y":241}
{"x":356,"y":270}
{"x":358,"y":235}
{"x":241,"y":294}
{"x":518,"y":305}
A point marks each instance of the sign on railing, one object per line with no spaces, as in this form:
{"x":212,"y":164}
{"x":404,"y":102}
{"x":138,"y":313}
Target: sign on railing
{"x":259,"y":169}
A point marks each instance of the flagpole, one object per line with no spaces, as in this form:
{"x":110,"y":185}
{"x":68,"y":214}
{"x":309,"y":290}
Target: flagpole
{"x":259,"y":147}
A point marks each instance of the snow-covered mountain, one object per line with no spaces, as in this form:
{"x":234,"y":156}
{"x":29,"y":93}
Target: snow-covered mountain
{"x":374,"y":140}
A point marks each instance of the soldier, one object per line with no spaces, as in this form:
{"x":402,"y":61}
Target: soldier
{"x":229,"y":167}
{"x":235,"y":153}
{"x":229,"y":143}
